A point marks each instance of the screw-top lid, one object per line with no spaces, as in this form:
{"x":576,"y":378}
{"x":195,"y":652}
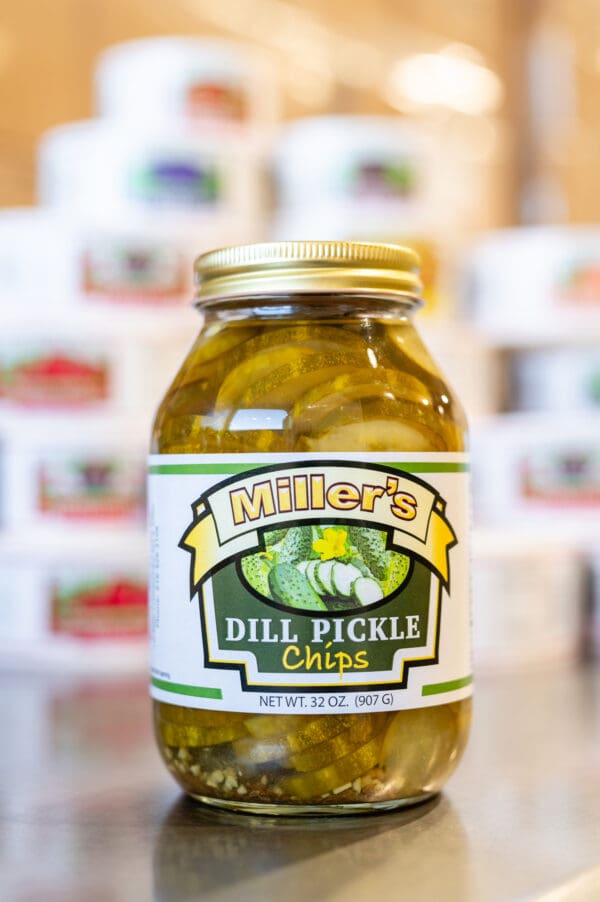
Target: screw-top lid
{"x":308,"y":267}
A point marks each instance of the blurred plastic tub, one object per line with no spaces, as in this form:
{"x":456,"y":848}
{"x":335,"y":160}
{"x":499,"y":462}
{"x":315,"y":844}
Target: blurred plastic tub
{"x":375,"y":161}
{"x":561,"y":379}
{"x":539,"y":468}
{"x":50,"y":258}
{"x":82,"y":362}
{"x":82,"y":472}
{"x":528,"y":602}
{"x":208,"y":82}
{"x":538,"y":284}
{"x":73,"y":601}
{"x":99,"y":167}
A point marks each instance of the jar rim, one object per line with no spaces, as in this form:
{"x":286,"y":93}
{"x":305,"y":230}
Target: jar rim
{"x":308,"y":267}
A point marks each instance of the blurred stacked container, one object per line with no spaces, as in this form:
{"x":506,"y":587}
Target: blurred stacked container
{"x":373,"y":178}
{"x":95,"y":288}
{"x":535,"y":294}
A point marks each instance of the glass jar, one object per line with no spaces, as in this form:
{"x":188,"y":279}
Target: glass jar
{"x":308,"y":517}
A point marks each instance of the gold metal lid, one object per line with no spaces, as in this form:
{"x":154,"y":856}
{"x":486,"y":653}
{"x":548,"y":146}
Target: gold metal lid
{"x":307,"y":267}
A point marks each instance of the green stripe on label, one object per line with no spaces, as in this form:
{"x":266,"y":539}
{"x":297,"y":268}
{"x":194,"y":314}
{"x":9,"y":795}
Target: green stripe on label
{"x":198,"y":469}
{"x":193,"y":469}
{"x":182,"y":689}
{"x":429,"y":467}
{"x":448,"y":686}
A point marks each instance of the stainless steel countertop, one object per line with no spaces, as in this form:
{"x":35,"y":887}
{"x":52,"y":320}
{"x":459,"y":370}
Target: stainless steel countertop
{"x":88,"y":813}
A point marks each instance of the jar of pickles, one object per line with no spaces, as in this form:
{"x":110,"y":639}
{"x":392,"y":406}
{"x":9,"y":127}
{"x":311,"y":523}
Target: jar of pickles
{"x":308,"y":517}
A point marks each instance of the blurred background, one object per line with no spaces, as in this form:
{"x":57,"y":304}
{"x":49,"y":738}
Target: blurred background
{"x":134,"y":136}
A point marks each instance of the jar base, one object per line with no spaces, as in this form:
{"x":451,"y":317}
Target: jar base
{"x":284,"y":810}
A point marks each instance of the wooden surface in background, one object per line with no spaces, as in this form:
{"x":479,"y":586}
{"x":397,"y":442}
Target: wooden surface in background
{"x":48,"y":48}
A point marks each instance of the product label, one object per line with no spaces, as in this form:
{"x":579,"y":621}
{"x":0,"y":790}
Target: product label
{"x":61,"y":377}
{"x":97,"y":607}
{"x":309,"y":584}
{"x":212,"y":100}
{"x":130,"y":271}
{"x":92,"y":487}
{"x":562,"y":476}
{"x":579,"y":283}
{"x":182,"y":182}
{"x":382,"y":179}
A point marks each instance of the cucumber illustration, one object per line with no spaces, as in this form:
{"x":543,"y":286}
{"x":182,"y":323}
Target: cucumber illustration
{"x":310,"y":575}
{"x":296,"y":546}
{"x":274,"y":536}
{"x":398,"y":568}
{"x":360,"y":565}
{"x":371,"y":545}
{"x":256,"y":570}
{"x":367,"y":591}
{"x":343,"y":577}
{"x":323,"y":576}
{"x":293,"y":589}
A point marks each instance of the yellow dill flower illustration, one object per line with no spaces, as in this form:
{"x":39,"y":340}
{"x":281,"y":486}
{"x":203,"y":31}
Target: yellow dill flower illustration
{"x":333,"y":543}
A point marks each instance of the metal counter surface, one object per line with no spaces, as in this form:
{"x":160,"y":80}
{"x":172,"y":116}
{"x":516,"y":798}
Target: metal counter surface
{"x":89,"y":814}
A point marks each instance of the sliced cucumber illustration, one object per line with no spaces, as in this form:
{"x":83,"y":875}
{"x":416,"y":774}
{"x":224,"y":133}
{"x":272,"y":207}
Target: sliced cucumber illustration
{"x":291,"y":588}
{"x":323,"y":574}
{"x":312,"y":579}
{"x":343,"y":577}
{"x":367,"y":591}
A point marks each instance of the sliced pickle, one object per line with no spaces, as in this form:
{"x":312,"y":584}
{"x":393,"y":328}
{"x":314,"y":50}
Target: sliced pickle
{"x":277,"y":347}
{"x":420,"y":748}
{"x":345,"y":770}
{"x":372,"y":435}
{"x":199,"y":737}
{"x":363,"y":728}
{"x":201,"y":717}
{"x":330,"y":396}
{"x":216,"y":344}
{"x":264,"y":726}
{"x":252,"y":370}
{"x":280,"y":388}
{"x":296,"y":731}
{"x":408,"y":342}
{"x":316,"y":732}
{"x":253,"y":751}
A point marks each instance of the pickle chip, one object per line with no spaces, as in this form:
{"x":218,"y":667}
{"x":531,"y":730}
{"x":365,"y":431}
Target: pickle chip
{"x":420,"y":748}
{"x":196,"y":736}
{"x":332,"y":395}
{"x":282,"y":386}
{"x":373,"y":435}
{"x":316,"y":732}
{"x":317,"y":783}
{"x":201,"y":717}
{"x":364,"y":727}
{"x":412,"y":347}
{"x":215,"y":344}
{"x":263,"y":726}
{"x":253,"y":751}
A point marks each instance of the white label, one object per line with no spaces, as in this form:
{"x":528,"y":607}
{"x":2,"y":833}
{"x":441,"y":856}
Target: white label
{"x":309,"y":584}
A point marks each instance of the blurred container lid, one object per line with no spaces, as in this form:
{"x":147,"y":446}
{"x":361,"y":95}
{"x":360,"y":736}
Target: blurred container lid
{"x":372,"y":159}
{"x":208,"y":82}
{"x":99,"y":167}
